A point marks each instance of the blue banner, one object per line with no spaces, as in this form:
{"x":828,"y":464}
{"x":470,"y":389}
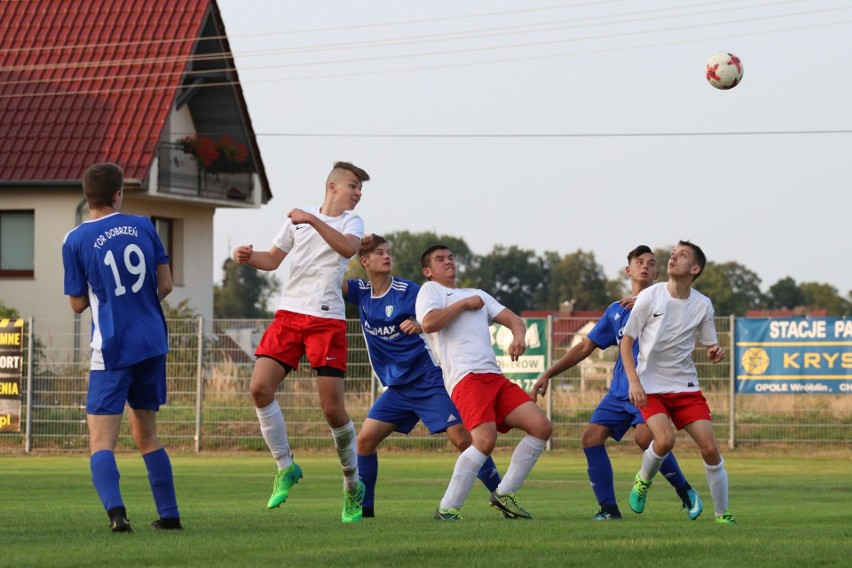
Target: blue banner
{"x":793,"y":355}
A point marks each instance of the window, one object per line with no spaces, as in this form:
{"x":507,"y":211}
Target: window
{"x":17,"y":243}
{"x":170,"y":232}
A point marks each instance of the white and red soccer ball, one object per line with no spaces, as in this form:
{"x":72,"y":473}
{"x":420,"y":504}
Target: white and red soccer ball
{"x":724,"y":70}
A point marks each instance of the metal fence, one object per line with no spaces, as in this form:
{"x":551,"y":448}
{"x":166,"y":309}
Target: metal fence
{"x":209,"y":408}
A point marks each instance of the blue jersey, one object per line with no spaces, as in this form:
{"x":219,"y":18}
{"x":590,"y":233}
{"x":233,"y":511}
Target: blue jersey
{"x":113,"y":260}
{"x":607,"y":333}
{"x":397,"y":357}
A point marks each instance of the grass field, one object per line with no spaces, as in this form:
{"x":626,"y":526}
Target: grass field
{"x":793,"y":510}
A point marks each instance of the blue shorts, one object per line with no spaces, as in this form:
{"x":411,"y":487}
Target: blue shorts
{"x":423,"y":399}
{"x":142,"y":386}
{"x":617,"y":415}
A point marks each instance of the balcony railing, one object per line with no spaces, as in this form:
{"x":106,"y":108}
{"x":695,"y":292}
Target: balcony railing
{"x":181,"y":174}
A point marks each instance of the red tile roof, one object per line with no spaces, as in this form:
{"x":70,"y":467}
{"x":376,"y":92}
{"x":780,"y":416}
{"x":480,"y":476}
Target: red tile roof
{"x":89,"y":81}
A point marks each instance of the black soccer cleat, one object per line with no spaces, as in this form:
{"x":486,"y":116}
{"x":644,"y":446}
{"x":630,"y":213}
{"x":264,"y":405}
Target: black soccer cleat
{"x":165,"y":524}
{"x":118,"y":522}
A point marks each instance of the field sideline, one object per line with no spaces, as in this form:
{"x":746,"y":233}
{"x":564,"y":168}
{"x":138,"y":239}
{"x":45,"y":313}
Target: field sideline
{"x":793,"y":511}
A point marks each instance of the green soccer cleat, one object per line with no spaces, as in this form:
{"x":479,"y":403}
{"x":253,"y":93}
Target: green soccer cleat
{"x":692,"y":503}
{"x":352,"y":500}
{"x":725,"y":519}
{"x":449,"y":514}
{"x":638,"y":494}
{"x":509,"y":506}
{"x":285,"y":479}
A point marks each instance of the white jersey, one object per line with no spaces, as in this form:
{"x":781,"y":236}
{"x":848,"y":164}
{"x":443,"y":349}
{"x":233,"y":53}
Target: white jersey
{"x":464,"y":346}
{"x":666,"y":329}
{"x":316,"y":269}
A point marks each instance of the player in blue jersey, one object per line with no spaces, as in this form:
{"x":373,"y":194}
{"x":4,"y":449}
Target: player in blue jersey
{"x":115,"y":264}
{"x":615,"y":414}
{"x":399,"y":356}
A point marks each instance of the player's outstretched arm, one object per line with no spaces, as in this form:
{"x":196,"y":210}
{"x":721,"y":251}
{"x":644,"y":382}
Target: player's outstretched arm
{"x":261,"y":260}
{"x":567,"y":361}
{"x":343,"y":244}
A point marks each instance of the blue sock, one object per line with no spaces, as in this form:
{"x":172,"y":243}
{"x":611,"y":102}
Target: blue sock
{"x":105,"y":478}
{"x":368,"y":469}
{"x":489,"y":475}
{"x":671,"y":471}
{"x":162,"y":483}
{"x":600,"y":474}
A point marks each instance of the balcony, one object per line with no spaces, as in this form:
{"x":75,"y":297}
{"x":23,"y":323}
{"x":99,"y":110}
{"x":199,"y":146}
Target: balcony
{"x":181,"y":174}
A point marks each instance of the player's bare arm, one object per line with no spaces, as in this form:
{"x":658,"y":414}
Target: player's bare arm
{"x":261,"y":260}
{"x":572,"y":357}
{"x":627,"y":303}
{"x":636,"y":393}
{"x":436,"y":320}
{"x":508,"y":318}
{"x":345,"y":245}
{"x":164,"y":281}
{"x":79,"y":303}
{"x":411,"y":327}
{"x":715,"y":353}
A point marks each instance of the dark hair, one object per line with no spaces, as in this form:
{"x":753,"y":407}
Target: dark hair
{"x":101,"y":182}
{"x":369,"y":244}
{"x":700,"y":258}
{"x":638,"y":251}
{"x":359,"y":173}
{"x":426,"y":257}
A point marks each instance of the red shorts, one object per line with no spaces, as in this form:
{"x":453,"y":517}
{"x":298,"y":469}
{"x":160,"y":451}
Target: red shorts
{"x":291,"y":335}
{"x":682,"y":407}
{"x":487,"y":397}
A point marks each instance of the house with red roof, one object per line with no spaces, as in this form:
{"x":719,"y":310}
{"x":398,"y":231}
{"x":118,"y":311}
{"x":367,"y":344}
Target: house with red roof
{"x":151,"y":86}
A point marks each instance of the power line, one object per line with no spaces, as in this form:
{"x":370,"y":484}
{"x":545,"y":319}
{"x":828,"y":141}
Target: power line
{"x":554,"y":135}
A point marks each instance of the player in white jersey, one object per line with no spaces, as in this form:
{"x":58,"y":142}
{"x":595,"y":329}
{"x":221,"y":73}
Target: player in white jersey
{"x":115,"y":264}
{"x":311,"y":321}
{"x":414,"y":385}
{"x":615,"y":415}
{"x":456,"y":321}
{"x":664,"y":382}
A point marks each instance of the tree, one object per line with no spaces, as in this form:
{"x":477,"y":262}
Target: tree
{"x":824,"y":297}
{"x":406,"y":248}
{"x":579,"y":279}
{"x":785,"y":294}
{"x":244,"y":293}
{"x":517,"y":278}
{"x":733,"y":288}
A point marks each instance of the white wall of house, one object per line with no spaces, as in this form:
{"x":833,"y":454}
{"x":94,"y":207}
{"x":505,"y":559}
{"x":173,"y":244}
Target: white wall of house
{"x":42,"y":296}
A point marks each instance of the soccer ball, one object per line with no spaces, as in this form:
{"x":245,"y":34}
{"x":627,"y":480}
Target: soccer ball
{"x":724,"y":70}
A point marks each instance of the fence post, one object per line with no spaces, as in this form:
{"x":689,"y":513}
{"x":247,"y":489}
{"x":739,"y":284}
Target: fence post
{"x":28,"y":429}
{"x":548,"y":357}
{"x":732,"y":420}
{"x":199,"y":387}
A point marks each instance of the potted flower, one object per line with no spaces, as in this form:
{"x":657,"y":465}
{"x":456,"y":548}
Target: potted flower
{"x":220,"y":155}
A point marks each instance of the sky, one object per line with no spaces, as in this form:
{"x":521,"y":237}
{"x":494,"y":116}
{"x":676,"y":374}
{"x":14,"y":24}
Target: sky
{"x":560,"y":126}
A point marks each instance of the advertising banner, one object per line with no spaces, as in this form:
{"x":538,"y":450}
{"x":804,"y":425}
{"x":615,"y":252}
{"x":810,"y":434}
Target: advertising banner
{"x":526,"y":370}
{"x":11,"y":368}
{"x":793,"y":355}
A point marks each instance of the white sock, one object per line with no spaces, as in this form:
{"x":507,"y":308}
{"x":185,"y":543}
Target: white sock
{"x":275,"y":433}
{"x":345,"y":442}
{"x":717,"y":479}
{"x":651,"y":463}
{"x":464,"y":476}
{"x":524,"y":457}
